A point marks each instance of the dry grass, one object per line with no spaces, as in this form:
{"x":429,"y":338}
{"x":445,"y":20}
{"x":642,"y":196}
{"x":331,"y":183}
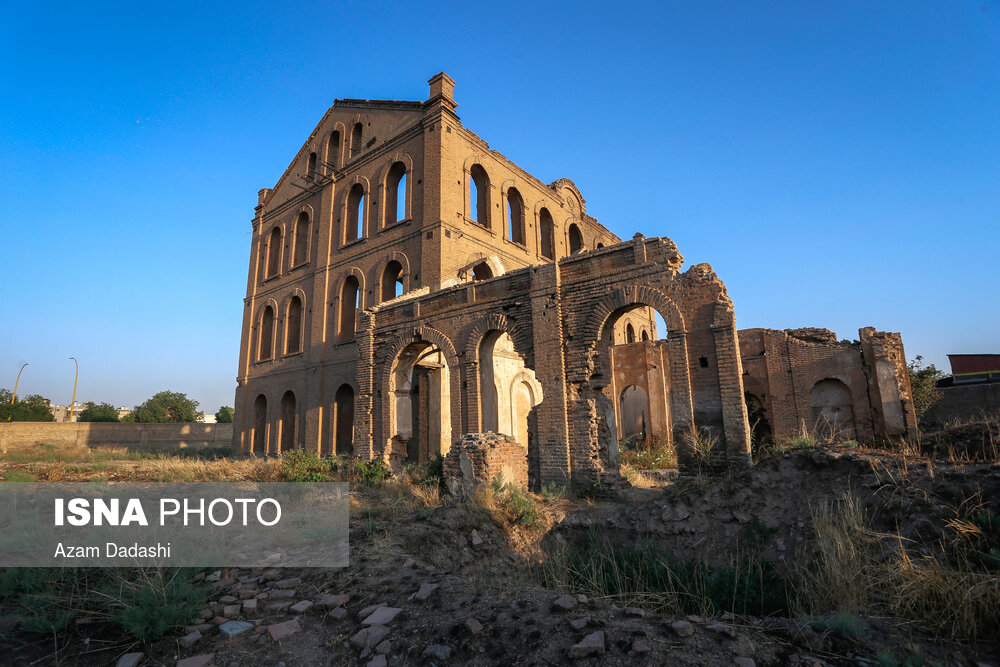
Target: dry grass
{"x":843,"y":571}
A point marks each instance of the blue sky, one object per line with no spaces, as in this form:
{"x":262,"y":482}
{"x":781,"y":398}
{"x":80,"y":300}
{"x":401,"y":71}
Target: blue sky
{"x":838,"y":163}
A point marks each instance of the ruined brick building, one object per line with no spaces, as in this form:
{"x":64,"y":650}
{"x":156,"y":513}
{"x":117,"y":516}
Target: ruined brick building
{"x":409,"y":285}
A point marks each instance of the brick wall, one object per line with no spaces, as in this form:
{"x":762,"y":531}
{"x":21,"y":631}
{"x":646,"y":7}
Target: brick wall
{"x":490,"y":455}
{"x":146,"y":437}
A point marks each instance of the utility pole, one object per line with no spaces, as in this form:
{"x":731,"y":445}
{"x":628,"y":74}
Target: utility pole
{"x":72,"y":403}
{"x":12,"y":398}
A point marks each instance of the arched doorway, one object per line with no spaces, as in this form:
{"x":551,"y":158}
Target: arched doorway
{"x":343,"y":415}
{"x":633,"y":411}
{"x":421,"y":404}
{"x":832,"y":411}
{"x":258,"y":432}
{"x":508,"y":390}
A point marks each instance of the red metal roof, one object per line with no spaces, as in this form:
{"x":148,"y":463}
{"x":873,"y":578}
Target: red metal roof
{"x":974,"y":363}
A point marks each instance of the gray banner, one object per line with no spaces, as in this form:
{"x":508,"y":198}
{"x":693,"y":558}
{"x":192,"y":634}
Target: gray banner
{"x":198,"y":524}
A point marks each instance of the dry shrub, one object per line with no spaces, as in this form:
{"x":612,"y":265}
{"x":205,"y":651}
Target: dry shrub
{"x":842,"y":571}
{"x":958,"y":604}
{"x":838,"y":570}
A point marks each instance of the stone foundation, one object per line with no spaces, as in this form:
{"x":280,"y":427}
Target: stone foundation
{"x":478,"y":458}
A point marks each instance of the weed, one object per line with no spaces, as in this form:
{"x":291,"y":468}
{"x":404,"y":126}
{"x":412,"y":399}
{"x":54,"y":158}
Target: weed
{"x":552,"y":491}
{"x":654,"y":455}
{"x":18,"y":476}
{"x":845,"y":626}
{"x":303,"y":465}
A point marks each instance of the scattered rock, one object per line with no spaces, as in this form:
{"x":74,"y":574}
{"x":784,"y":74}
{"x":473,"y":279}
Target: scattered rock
{"x":579,"y":623}
{"x":722,"y":628}
{"x":131,"y":659}
{"x":409,"y":562}
{"x":368,"y":610}
{"x":424,"y":592}
{"x":288,"y":583}
{"x":377,"y":661}
{"x":231,"y":610}
{"x":215,"y":576}
{"x":369,"y":637}
{"x":682,"y":628}
{"x":592,"y":644}
{"x":473,"y":624}
{"x":233,"y":628}
{"x":635,"y":611}
{"x":250,"y":606}
{"x":744,"y":662}
{"x":287,"y":593}
{"x":382,"y":616}
{"x":227,"y":599}
{"x":301,"y":607}
{"x":247,"y":594}
{"x":279,"y":631}
{"x":639,"y":646}
{"x":384,"y":647}
{"x":203,"y":660}
{"x":337,"y":613}
{"x":476,"y":540}
{"x":190,"y":639}
{"x":280,"y":605}
{"x":200,"y":627}
{"x":439,"y":651}
{"x":331,"y":601}
{"x":564,"y":603}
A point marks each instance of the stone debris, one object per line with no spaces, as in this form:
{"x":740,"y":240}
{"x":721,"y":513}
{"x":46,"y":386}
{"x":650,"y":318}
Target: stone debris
{"x":130,"y":659}
{"x":203,"y":660}
{"x":722,"y":628}
{"x":592,"y":644}
{"x":744,"y":662}
{"x":301,"y":607}
{"x":564,"y":603}
{"x":639,"y":646}
{"x":233,"y":628}
{"x":330,"y":601}
{"x":476,"y":540}
{"x":579,"y":623}
{"x":473,"y":625}
{"x":231,"y":610}
{"x":285,"y":593}
{"x":438,"y":651}
{"x":377,"y":661}
{"x":635,"y":611}
{"x":382,"y":616}
{"x":337,"y":613}
{"x":190,"y":639}
{"x":369,"y":637}
{"x":280,"y":605}
{"x":250,"y":606}
{"x":682,"y":628}
{"x":424,"y":592}
{"x":288,"y":583}
{"x":368,"y":610}
{"x":227,"y":599}
{"x":279,"y":631}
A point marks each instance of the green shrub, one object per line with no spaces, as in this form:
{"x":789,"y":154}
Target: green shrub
{"x":148,"y":603}
{"x":302,"y":465}
{"x":845,"y":626}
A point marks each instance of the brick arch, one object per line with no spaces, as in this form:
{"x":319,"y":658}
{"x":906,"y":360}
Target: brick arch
{"x":258,"y":316}
{"x":385,"y":381}
{"x":628,"y":295}
{"x":492,"y":261}
{"x":475,"y":158}
{"x":722,"y":313}
{"x":383,"y":192}
{"x":343,"y":213}
{"x":282,"y":316}
{"x":481,"y":160}
{"x":357,"y":273}
{"x":523,"y":341}
{"x":380,"y":270}
{"x":337,"y":127}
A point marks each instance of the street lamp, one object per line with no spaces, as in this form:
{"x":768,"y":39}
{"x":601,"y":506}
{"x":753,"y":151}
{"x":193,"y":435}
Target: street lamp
{"x":14,"y":396}
{"x":72,"y":403}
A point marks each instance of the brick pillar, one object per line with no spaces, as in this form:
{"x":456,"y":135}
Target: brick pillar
{"x":550,"y":371}
{"x":364,"y":398}
{"x":470,"y":416}
{"x":736,"y":424}
{"x":681,"y":408}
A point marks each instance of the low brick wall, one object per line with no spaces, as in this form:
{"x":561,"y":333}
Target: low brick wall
{"x":479,"y":457}
{"x":146,"y":437}
{"x":964,"y":403}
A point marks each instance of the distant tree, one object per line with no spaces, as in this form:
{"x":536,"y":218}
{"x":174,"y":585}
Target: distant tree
{"x":167,"y":407}
{"x":98,"y":412}
{"x":922,"y":383}
{"x":33,"y":408}
{"x":224,"y":415}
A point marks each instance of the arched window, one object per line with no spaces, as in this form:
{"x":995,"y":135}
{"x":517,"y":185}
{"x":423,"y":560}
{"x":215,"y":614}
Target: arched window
{"x":293,"y":326}
{"x":575,"y":239}
{"x":288,"y":421}
{"x":832,"y":408}
{"x":546,"y":234}
{"x":395,"y":193}
{"x":600,"y":245}
{"x":265,"y":349}
{"x":301,"y":253}
{"x":482,"y":271}
{"x":333,"y":149}
{"x":629,"y":333}
{"x":644,"y":335}
{"x":392,"y":280}
{"x":273,"y":253}
{"x":354,"y":227}
{"x":479,"y":195}
{"x":515,"y":216}
{"x":356,"y":140}
{"x":343,"y":415}
{"x":311,"y":165}
{"x":350,"y":300}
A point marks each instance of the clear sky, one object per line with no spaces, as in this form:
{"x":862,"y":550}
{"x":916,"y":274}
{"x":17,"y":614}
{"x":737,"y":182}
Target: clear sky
{"x":838,"y":163}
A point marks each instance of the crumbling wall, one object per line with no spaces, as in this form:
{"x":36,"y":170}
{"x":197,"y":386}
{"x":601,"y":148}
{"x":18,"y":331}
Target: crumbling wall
{"x":479,"y":458}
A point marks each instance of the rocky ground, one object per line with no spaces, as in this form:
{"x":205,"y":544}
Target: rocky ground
{"x":457,"y":585}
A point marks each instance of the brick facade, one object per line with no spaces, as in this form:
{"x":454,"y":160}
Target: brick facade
{"x":408,"y":285}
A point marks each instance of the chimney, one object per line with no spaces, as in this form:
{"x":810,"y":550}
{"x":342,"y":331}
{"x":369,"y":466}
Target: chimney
{"x":442,"y":90}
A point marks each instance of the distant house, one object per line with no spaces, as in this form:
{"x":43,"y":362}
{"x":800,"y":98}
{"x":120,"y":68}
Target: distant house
{"x":968,"y":368}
